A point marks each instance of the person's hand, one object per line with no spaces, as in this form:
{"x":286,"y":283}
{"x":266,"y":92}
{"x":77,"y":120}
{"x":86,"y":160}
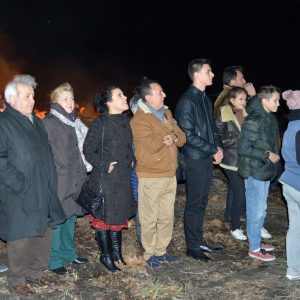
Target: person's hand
{"x":274,"y":158}
{"x":111,"y":166}
{"x":218,"y":156}
{"x":250,"y":89}
{"x":170,"y":139}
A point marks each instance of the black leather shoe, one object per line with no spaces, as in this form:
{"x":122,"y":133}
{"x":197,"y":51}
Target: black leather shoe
{"x":60,"y":271}
{"x":80,"y":261}
{"x":197,"y":255}
{"x":210,"y":249}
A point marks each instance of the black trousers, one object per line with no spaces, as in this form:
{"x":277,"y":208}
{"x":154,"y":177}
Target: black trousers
{"x":198,"y":180}
{"x":237,"y":185}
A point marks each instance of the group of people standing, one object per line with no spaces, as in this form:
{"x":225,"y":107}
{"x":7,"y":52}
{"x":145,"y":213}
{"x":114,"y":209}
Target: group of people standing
{"x":44,"y":164}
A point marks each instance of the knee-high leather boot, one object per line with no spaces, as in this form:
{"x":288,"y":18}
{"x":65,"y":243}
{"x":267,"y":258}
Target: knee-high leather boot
{"x":104,"y":244}
{"x":116,"y":240}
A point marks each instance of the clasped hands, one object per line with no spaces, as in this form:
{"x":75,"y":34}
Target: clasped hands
{"x":170,"y":139}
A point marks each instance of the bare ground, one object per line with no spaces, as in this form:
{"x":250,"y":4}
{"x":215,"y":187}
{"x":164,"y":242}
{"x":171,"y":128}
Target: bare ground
{"x":231,"y":275}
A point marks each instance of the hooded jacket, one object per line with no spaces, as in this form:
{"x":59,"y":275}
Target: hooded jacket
{"x":259,"y":135}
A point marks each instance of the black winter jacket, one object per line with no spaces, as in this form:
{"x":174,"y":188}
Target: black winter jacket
{"x":28,"y":183}
{"x":117,"y":146}
{"x":194,"y":116}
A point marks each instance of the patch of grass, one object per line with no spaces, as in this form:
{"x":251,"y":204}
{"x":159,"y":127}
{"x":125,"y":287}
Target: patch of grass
{"x":161,"y":291}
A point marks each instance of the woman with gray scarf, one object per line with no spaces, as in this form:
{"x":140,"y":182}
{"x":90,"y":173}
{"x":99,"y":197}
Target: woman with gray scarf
{"x":66,"y":134}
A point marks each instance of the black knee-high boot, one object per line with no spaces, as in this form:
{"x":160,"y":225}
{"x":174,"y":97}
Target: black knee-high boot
{"x":104,"y":244}
{"x":116,"y":240}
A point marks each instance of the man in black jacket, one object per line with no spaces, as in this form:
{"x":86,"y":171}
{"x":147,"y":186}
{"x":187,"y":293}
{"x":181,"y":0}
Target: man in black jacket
{"x":28,"y":188}
{"x":202,"y":149}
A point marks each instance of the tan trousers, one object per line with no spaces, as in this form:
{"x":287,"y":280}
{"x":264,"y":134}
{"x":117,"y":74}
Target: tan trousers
{"x":28,"y":258}
{"x":156,"y":213}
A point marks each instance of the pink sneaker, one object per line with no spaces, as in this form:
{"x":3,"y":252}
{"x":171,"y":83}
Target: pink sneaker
{"x":261,"y":255}
{"x":267,"y":247}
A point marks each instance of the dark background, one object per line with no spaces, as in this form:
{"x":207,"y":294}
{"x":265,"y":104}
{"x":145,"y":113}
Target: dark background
{"x":91,"y":44}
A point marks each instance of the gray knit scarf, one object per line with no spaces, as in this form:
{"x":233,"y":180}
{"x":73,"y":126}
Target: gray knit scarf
{"x":159,"y":114}
{"x":81,"y":131}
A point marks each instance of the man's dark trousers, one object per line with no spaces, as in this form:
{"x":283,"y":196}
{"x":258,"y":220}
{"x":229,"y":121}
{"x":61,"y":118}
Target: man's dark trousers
{"x":198,"y":180}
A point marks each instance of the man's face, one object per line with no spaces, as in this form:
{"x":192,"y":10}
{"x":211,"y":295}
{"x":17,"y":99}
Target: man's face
{"x":205,"y":75}
{"x":24,"y":101}
{"x":156,"y":100}
{"x":239,"y":81}
{"x":272,"y":104}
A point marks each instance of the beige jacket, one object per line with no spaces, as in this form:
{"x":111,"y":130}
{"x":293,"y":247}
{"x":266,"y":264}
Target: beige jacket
{"x":155,"y":159}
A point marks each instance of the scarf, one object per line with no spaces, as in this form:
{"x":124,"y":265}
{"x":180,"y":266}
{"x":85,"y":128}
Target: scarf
{"x":159,"y":114}
{"x":81,"y":132}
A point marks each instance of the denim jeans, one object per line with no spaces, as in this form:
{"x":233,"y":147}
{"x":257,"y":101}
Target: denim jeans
{"x":256,"y":205}
{"x":292,"y":198}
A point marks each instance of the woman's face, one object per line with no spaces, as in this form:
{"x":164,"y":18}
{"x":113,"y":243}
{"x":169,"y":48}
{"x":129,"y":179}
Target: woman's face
{"x":240,"y":100}
{"x":118,"y":102}
{"x":66,"y":100}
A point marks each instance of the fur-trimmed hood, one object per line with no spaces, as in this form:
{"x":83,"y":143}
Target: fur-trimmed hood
{"x":228,"y":115}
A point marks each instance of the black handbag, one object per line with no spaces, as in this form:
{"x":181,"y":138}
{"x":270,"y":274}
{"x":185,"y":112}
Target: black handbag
{"x":92,"y":203}
{"x":87,"y":199}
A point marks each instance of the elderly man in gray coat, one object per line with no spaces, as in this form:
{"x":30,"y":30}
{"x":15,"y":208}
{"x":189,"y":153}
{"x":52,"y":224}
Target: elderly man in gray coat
{"x":29,"y":203}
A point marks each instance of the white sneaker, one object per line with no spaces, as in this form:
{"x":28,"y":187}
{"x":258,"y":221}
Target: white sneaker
{"x":291,"y":277}
{"x":265,"y":234}
{"x":238,"y":235}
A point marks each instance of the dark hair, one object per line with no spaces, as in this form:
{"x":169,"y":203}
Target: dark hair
{"x":196,"y":65}
{"x":230,"y":73}
{"x":233,"y":92}
{"x":265,"y":92}
{"x":101,"y":99}
{"x":144,"y":88}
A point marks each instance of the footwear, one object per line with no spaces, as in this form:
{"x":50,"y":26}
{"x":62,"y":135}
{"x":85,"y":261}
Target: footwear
{"x":60,"y":271}
{"x":3,"y":268}
{"x":116,"y":241}
{"x":104,"y":243}
{"x":291,"y":277}
{"x":238,"y":235}
{"x":167,"y":258}
{"x":21,"y":290}
{"x":267,"y":247}
{"x":265,"y":234}
{"x":153,"y":262}
{"x":210,"y":249}
{"x":197,"y":255}
{"x":43,"y":281}
{"x":80,"y":261}
{"x":262,"y":255}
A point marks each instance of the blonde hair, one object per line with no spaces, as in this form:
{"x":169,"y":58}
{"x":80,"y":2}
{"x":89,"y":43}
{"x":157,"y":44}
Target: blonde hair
{"x":64,"y":87}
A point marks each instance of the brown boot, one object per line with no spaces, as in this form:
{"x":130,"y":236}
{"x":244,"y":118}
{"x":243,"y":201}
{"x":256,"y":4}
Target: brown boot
{"x":21,"y":290}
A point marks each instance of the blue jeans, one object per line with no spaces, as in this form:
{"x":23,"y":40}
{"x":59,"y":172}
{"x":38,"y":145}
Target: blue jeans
{"x":292,"y":198}
{"x":256,"y":202}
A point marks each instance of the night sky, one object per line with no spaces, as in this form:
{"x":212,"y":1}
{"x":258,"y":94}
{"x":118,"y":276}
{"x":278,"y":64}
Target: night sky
{"x":91,"y":44}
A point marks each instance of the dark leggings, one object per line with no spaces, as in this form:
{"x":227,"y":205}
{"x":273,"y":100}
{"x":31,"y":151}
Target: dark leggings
{"x":237,"y":186}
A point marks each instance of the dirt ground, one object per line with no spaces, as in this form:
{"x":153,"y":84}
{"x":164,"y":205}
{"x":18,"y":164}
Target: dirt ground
{"x":231,"y":275}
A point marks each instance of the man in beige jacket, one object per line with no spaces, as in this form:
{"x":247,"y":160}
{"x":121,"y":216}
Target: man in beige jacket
{"x":156,"y":137}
